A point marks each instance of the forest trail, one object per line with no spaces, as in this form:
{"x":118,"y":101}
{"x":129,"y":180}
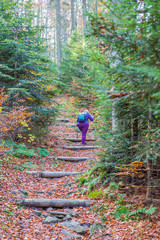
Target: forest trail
{"x":48,"y":187}
{"x":61,"y":209}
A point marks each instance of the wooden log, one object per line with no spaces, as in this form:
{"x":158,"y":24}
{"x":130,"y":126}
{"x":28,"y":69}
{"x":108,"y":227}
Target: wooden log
{"x":79,"y":133}
{"x":55,"y":203}
{"x":79,"y":139}
{"x":74,"y":159}
{"x":79,"y":147}
{"x":63,"y":120}
{"x":46,"y":174}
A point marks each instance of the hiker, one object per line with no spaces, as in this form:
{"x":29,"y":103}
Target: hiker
{"x":83,"y":124}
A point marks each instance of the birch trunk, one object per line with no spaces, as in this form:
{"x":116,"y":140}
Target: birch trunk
{"x":58,"y":31}
{"x":84,"y":17}
{"x":72,"y":16}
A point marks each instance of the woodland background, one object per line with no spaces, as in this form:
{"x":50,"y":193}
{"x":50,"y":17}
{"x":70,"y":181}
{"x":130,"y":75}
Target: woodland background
{"x":104,"y":54}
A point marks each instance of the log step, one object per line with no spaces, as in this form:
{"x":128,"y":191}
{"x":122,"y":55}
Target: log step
{"x":78,"y":139}
{"x":62,"y":133}
{"x":79,"y":147}
{"x":74,"y":159}
{"x":65,"y":120}
{"x":55,"y":203}
{"x":46,"y":174}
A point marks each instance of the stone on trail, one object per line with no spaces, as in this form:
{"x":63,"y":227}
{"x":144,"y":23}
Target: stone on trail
{"x":74,"y":159}
{"x":71,"y":235}
{"x":50,"y":220}
{"x":72,"y":213}
{"x":37,"y":213}
{"x":74,"y":226}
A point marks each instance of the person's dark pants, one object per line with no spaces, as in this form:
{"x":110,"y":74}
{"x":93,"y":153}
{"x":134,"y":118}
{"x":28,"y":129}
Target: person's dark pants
{"x":83,"y":127}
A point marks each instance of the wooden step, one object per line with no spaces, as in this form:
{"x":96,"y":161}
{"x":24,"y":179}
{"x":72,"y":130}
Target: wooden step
{"x":65,"y":120}
{"x":47,"y":174}
{"x":78,"y":139}
{"x":74,"y":159}
{"x":55,"y":203}
{"x":79,"y":133}
{"x":79,"y":147}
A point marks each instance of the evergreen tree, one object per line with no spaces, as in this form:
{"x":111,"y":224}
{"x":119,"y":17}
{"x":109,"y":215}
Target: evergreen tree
{"x":23,"y":65}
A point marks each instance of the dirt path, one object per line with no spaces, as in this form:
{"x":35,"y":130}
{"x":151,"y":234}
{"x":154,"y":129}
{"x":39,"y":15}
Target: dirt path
{"x":28,"y":223}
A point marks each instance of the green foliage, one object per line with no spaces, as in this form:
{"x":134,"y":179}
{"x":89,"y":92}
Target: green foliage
{"x":142,"y":212}
{"x":25,"y":69}
{"x":21,"y":150}
{"x":95,"y":194}
{"x":43,"y":152}
{"x":25,"y":166}
{"x":125,"y":58}
{"x":121,"y":210}
{"x":82,"y":180}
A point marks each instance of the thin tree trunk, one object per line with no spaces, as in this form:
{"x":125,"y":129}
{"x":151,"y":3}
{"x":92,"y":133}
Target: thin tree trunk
{"x":149,"y":160}
{"x":84,"y":17}
{"x":58,"y":31}
{"x":72,"y":15}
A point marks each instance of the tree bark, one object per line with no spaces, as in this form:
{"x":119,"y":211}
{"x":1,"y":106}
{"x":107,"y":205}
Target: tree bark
{"x":72,"y":15}
{"x":84,"y":17}
{"x":78,"y":139}
{"x":58,"y":31}
{"x":79,"y":147}
{"x":149,"y":160}
{"x":45,"y":174}
{"x":55,"y":203}
{"x":74,"y":159}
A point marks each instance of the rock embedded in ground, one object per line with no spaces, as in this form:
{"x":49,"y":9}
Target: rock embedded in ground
{"x":37,"y":213}
{"x":72,"y":213}
{"x":67,"y":217}
{"x":74,"y":226}
{"x":71,"y":235}
{"x":49,"y":209}
{"x":50,"y":220}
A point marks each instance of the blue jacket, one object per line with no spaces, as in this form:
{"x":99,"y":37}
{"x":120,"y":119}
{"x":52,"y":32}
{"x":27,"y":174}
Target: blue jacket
{"x":88,"y":117}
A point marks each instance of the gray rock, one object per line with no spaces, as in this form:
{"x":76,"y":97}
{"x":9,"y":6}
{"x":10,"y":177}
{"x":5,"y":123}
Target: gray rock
{"x":54,"y":213}
{"x":50,"y":220}
{"x":49,"y":209}
{"x":74,"y":226}
{"x":67,"y":217}
{"x":23,"y":191}
{"x":37,"y":213}
{"x":72,"y":213}
{"x":70,"y":235}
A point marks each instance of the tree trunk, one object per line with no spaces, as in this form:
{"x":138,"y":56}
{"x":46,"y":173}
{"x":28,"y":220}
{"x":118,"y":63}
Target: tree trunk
{"x":149,"y":160}
{"x":55,"y":203}
{"x":72,"y":15}
{"x":84,"y":17}
{"x":58,"y":31}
